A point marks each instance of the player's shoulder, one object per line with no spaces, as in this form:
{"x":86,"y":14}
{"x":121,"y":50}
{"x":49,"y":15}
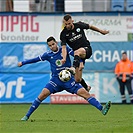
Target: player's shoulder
{"x":64,"y":30}
{"x":79,"y":22}
{"x":47,"y":53}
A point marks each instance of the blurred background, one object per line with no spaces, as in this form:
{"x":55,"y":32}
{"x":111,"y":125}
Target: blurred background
{"x":26,"y":24}
{"x":66,"y":5}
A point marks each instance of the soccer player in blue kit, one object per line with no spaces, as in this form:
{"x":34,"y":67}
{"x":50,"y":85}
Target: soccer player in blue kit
{"x":54,"y":57}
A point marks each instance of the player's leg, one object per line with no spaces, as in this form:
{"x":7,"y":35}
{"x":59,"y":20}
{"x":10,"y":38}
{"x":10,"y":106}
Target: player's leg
{"x":83,"y":83}
{"x":83,"y":93}
{"x":88,"y":52}
{"x":79,"y":79}
{"x":80,"y":91}
{"x":81,"y":53}
{"x":51,"y":87}
{"x":43,"y":95}
{"x":78,"y":54}
{"x":93,"y":101}
{"x":78,"y":73}
{"x":76,"y":61}
{"x":85,"y":54}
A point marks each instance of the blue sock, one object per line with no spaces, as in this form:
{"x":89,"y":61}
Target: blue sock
{"x":95,"y":103}
{"x":33,"y":107}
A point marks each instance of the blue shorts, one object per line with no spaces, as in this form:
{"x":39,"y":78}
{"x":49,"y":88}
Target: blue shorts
{"x":56,"y":85}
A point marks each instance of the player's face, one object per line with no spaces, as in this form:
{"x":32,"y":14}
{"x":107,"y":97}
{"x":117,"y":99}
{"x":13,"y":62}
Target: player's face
{"x":69,"y":24}
{"x":53,"y":46}
{"x":124,"y":57}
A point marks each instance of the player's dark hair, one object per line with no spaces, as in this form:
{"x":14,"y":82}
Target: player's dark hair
{"x":124,"y":52}
{"x":67,"y":17}
{"x":50,"y":39}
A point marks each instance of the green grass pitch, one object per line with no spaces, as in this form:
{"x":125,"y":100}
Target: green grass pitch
{"x":62,"y":118}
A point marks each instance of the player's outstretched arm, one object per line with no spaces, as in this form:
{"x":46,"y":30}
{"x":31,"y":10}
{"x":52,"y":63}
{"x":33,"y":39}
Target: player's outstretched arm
{"x":34,"y":60}
{"x":104,"y":32}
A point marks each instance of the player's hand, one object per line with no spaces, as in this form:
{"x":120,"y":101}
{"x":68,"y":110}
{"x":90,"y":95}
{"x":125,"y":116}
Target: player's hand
{"x":104,"y":32}
{"x":19,"y":64}
{"x":63,"y":61}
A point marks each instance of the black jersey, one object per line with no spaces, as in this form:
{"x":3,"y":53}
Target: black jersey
{"x":75,"y":38}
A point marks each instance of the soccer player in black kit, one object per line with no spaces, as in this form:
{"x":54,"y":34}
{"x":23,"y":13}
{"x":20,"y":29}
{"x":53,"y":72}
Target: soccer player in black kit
{"x":73,"y":34}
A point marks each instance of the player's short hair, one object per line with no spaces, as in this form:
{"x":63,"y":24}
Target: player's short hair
{"x":67,"y":17}
{"x":50,"y":39}
{"x":124,"y":52}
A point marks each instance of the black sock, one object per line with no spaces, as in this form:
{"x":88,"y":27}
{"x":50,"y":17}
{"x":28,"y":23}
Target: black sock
{"x":82,"y":82}
{"x":76,"y":61}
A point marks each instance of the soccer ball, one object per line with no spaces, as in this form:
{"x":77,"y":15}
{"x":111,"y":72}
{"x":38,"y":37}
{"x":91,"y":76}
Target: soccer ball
{"x":64,"y":75}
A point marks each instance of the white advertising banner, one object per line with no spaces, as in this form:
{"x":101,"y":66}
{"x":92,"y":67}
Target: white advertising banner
{"x":35,"y":28}
{"x":115,"y":25}
{"x":28,"y":28}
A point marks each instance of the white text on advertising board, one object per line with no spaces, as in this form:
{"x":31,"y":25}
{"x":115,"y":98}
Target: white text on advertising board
{"x":7,"y":90}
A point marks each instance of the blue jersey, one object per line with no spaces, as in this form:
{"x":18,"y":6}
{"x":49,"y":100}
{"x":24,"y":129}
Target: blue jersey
{"x":54,"y":58}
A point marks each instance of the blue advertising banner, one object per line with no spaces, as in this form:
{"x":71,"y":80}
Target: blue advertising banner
{"x":105,"y":87}
{"x":25,"y":87}
{"x":105,"y":56}
{"x":12,"y":53}
{"x":22,"y":88}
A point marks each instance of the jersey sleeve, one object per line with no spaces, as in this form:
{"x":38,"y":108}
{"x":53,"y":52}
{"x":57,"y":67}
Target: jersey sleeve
{"x":37,"y":59}
{"x":44,"y":56}
{"x":30,"y":61}
{"x":62,"y":38}
{"x":83,"y":25}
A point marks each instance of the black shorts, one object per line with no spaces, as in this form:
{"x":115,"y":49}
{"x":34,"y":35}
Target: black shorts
{"x":88,"y":52}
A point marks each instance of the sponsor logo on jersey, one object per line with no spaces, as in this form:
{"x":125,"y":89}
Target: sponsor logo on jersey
{"x":73,"y":34}
{"x":75,"y":38}
{"x":58,"y":63}
{"x":78,"y":29}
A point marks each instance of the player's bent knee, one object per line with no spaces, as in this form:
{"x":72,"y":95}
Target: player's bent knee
{"x":80,"y":54}
{"x":78,"y":80}
{"x":79,"y":51}
{"x":83,"y":93}
{"x":44,"y":94}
